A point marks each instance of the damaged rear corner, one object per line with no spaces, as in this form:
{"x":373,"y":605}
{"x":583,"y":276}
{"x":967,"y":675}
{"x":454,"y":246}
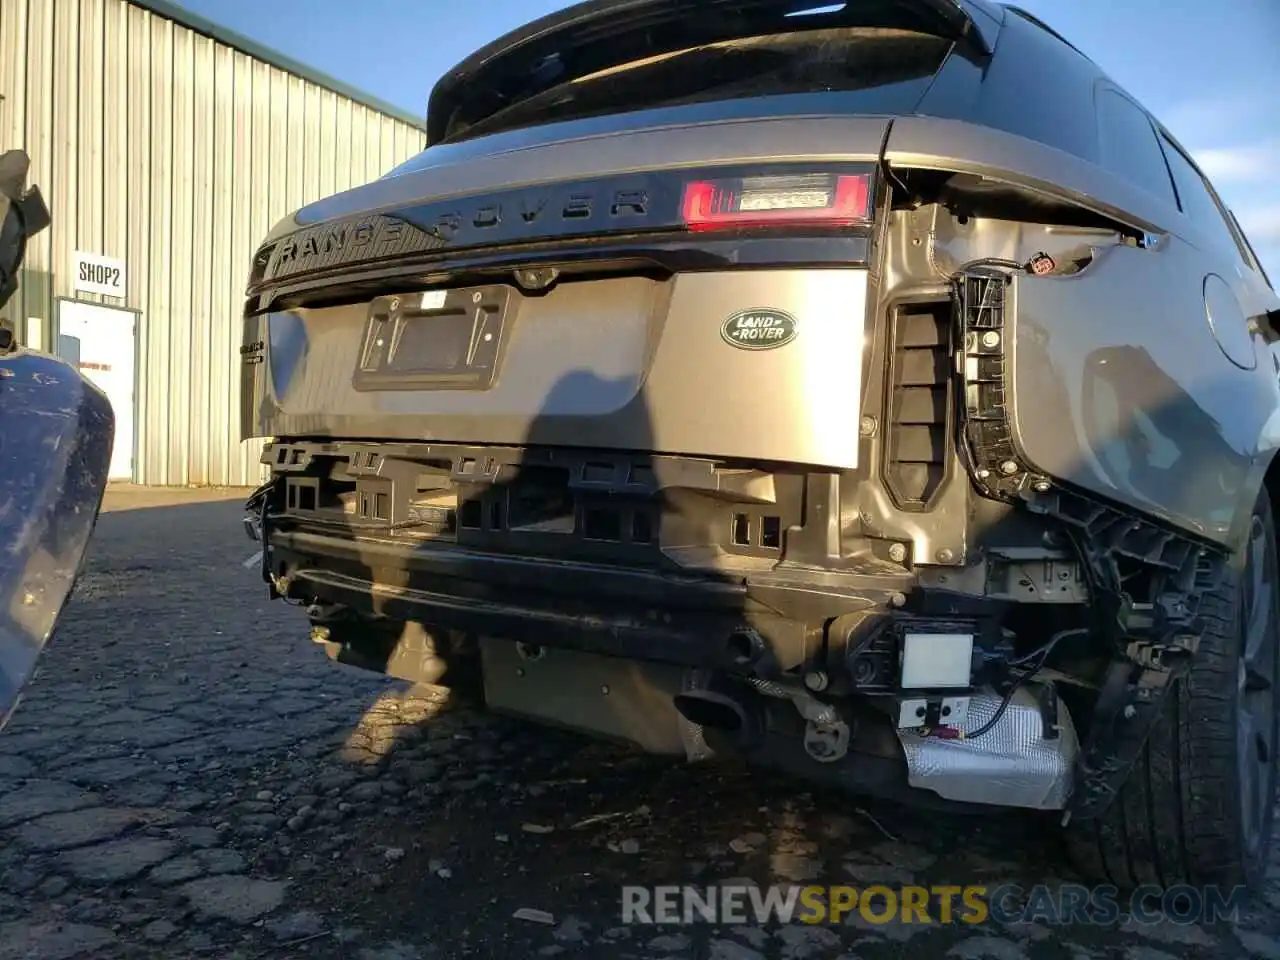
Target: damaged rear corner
{"x":1016,"y":261}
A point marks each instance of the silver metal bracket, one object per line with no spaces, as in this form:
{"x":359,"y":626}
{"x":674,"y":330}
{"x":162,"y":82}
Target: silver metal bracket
{"x":826,"y":742}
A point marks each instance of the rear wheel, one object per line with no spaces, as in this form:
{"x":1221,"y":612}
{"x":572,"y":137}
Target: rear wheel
{"x":1199,"y":804}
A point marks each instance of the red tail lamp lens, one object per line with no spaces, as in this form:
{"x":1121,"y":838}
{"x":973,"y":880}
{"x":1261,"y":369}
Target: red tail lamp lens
{"x":806,"y":200}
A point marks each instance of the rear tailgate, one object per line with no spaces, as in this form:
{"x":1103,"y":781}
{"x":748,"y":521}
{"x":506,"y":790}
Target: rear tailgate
{"x":613,"y":86}
{"x":662,"y":350}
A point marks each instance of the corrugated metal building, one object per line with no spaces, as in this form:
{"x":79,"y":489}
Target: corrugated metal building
{"x":172,"y":145}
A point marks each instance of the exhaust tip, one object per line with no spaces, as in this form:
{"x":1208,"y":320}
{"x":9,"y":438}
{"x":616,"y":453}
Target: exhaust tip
{"x":744,"y":647}
{"x":723,"y":713}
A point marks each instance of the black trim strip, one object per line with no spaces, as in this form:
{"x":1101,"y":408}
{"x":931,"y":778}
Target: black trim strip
{"x":644,"y":207}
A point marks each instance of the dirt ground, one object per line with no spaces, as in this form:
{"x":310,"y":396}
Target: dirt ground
{"x":190,"y":776}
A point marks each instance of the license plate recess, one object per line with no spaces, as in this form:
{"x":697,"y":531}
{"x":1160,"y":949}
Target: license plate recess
{"x":438,"y":340}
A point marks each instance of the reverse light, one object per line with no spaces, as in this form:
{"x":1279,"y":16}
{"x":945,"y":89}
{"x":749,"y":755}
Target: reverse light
{"x":822,"y":200}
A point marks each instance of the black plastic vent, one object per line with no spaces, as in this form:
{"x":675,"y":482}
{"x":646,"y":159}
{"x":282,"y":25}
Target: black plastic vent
{"x":756,"y":532}
{"x":919,"y":404}
{"x":873,"y":663}
{"x":590,"y":505}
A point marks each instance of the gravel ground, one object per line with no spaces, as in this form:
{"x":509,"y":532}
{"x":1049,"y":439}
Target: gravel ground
{"x":189,"y":776}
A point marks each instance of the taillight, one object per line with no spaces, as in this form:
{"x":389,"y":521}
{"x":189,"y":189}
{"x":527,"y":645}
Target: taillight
{"x":819,"y":200}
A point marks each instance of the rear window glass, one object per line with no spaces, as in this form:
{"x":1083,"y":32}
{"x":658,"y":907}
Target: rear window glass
{"x":1039,"y":88}
{"x":1198,"y":203}
{"x":1129,"y":146}
{"x":892,"y":68}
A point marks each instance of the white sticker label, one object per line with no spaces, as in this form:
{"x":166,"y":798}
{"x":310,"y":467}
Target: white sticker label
{"x":91,"y":273}
{"x":434,"y":299}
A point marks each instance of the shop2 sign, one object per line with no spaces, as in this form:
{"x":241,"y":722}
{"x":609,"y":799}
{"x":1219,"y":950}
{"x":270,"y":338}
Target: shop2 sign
{"x":94,"y":274}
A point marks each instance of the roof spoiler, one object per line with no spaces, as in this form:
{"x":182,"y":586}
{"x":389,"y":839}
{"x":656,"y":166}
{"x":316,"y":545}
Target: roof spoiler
{"x":598,"y":34}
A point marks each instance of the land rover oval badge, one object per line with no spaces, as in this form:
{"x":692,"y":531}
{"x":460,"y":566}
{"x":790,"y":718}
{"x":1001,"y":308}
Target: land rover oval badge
{"x":759,"y":329}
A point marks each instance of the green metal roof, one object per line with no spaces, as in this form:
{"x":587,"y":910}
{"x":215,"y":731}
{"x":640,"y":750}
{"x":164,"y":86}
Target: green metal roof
{"x":208,"y":28}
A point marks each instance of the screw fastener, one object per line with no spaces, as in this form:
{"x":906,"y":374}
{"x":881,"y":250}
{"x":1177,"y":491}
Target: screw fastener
{"x":816,"y":680}
{"x":897,"y":553}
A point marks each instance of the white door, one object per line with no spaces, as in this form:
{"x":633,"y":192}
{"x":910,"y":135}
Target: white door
{"x":100,"y":341}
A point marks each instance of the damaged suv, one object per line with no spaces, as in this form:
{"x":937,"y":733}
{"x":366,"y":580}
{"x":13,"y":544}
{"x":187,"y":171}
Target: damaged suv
{"x":874,"y":390}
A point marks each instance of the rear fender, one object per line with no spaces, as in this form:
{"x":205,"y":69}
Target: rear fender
{"x":1120,"y":385}
{"x":1265,"y":472}
{"x":56,"y":431}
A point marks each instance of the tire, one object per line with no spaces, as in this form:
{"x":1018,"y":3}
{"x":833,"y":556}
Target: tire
{"x":1198,"y":805}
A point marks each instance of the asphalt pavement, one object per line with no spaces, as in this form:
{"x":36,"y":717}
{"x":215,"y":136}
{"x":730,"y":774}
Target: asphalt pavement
{"x":190,"y":776}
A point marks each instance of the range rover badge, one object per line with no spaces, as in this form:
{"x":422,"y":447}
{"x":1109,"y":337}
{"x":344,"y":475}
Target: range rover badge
{"x":759,"y":329}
